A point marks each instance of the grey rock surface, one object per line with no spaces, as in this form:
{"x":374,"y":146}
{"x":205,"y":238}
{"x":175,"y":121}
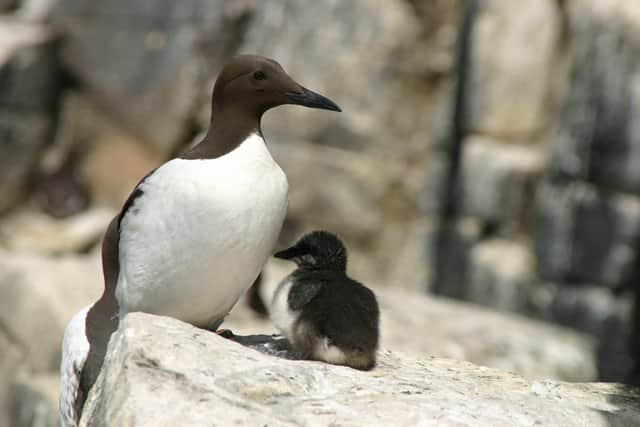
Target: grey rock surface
{"x":501,"y":275}
{"x":446,"y":328}
{"x":29,"y":66}
{"x":501,"y":46}
{"x":34,"y":232}
{"x":330,"y":188}
{"x":165,"y":50}
{"x":366,"y":58}
{"x":38,"y":297}
{"x":461,"y":235}
{"x":36,"y":10}
{"x":159,"y":371}
{"x":7,"y":5}
{"x":585,"y":234}
{"x":173,"y":50}
{"x":98,"y":141}
{"x":597,"y":311}
{"x":498,"y":182}
{"x":411,"y":270}
{"x":34,"y":401}
{"x":28,"y":91}
{"x":597,"y":130}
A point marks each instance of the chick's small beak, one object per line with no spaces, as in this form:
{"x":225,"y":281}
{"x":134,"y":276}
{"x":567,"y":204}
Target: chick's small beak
{"x":311,"y":99}
{"x":288,"y":253}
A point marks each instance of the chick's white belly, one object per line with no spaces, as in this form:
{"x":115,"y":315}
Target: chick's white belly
{"x":191,"y":256}
{"x":280,"y":313}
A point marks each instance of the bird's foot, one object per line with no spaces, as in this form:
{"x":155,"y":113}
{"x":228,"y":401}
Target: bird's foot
{"x":226,"y":333}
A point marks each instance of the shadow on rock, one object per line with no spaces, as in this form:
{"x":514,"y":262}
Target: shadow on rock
{"x":624,"y":397}
{"x":273,"y":345}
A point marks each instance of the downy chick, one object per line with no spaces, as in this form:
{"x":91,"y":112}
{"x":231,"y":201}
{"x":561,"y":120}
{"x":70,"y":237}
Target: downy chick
{"x":320,"y":310}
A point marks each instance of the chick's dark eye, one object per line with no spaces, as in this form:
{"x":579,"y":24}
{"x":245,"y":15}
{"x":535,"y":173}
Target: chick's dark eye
{"x":259,"y":75}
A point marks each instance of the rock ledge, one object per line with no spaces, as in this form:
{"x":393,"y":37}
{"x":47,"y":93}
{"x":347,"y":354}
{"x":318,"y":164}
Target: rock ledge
{"x":160,"y":371}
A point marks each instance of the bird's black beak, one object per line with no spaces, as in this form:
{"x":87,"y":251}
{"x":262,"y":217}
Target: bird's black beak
{"x":311,"y":99}
{"x":290,"y":253}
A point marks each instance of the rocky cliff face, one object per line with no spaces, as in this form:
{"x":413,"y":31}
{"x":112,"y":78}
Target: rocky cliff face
{"x":543,"y":209}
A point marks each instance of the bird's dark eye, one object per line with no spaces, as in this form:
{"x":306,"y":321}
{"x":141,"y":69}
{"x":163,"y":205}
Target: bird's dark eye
{"x":259,"y":75}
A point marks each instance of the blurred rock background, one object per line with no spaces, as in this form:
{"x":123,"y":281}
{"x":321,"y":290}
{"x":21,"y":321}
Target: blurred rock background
{"x":511,"y":181}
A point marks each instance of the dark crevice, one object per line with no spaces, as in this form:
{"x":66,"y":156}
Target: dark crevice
{"x":446,"y":236}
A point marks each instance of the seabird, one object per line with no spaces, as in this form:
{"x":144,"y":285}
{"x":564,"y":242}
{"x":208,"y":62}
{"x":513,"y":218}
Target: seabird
{"x":194,"y":233}
{"x":320,"y":310}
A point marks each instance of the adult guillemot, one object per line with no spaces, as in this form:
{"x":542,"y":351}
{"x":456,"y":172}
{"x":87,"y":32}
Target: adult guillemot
{"x":194,"y":233}
{"x":320,"y":310}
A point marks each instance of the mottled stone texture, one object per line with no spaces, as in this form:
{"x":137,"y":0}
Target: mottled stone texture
{"x":599,"y":134}
{"x":38,"y":297}
{"x":514,"y":47}
{"x":585,"y":234}
{"x":498,"y":182}
{"x":547,"y":167}
{"x":34,"y":401}
{"x":501,"y":275}
{"x":342,"y":60}
{"x":148,"y":61}
{"x":28,"y":94}
{"x":588,"y":207}
{"x":173,"y":50}
{"x":597,"y":311}
{"x":159,"y":371}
